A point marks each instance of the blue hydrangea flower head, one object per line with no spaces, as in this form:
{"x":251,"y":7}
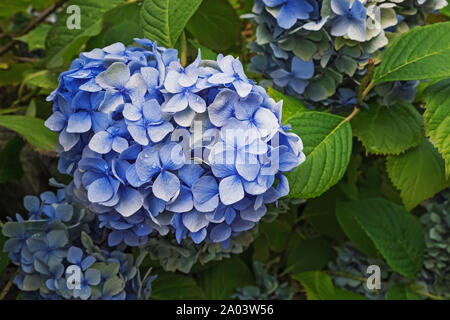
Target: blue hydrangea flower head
{"x":153,"y":146}
{"x":317,"y":50}
{"x":58,"y":260}
{"x":349,"y":20}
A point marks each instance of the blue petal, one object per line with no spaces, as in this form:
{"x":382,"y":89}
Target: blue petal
{"x":177,"y":103}
{"x":138,"y":133}
{"x":194,"y":221}
{"x":31,"y":203}
{"x":231,"y":190}
{"x":116,"y":76}
{"x":148,"y":164}
{"x":222,"y":107}
{"x":74,"y":255}
{"x":340,"y":7}
{"x":302,"y":69}
{"x":220,"y":233}
{"x":115,"y":238}
{"x":100,"y":190}
{"x":183,"y":202}
{"x":205,"y":188}
{"x":190,"y":173}
{"x":172,"y":156}
{"x":199,"y":236}
{"x":130,"y":201}
{"x":119,"y":144}
{"x":101,"y":142}
{"x":56,"y":121}
{"x":159,"y":132}
{"x":166,"y":186}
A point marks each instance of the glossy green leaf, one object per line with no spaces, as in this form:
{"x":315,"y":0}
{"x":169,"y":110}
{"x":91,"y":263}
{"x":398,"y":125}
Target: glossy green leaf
{"x":62,"y":43}
{"x":396,"y":233}
{"x":354,"y":231}
{"x":164,"y":20}
{"x":419,"y":173}
{"x":327,"y":143}
{"x":36,"y":37}
{"x":215,"y":25}
{"x":318,"y":286}
{"x":308,"y":255}
{"x":420,"y":53}
{"x":402,"y":292}
{"x":291,"y":105}
{"x":321,"y":213}
{"x":168,"y":286}
{"x":32,"y":130}
{"x":437,"y":119}
{"x":388,"y":130}
{"x":220,"y":281}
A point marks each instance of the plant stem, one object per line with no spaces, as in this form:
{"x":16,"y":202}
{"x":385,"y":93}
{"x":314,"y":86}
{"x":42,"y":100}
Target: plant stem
{"x":33,"y":24}
{"x":351,"y":115}
{"x":8,"y":286}
{"x":183,"y":43}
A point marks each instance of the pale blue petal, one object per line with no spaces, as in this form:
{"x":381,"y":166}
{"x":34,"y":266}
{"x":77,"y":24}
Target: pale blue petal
{"x":100,"y":190}
{"x":130,"y":202}
{"x":220,"y":233}
{"x":101,"y":142}
{"x":166,"y":186}
{"x":194,"y":221}
{"x":231,"y":190}
{"x":116,"y":76}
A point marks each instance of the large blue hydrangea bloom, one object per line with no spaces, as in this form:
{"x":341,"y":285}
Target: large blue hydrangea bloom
{"x":52,"y":244}
{"x":318,"y":50}
{"x":152,"y":145}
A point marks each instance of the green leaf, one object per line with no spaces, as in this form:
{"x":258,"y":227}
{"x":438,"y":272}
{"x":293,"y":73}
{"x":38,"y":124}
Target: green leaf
{"x":389,"y":130}
{"x":215,"y":25}
{"x":32,"y":130}
{"x":291,"y":105}
{"x":437,"y":118}
{"x":42,"y":79}
{"x":207,"y":54}
{"x":318,"y":286}
{"x":321,"y":213}
{"x":10,"y":165}
{"x":421,"y":53}
{"x":220,"y":281}
{"x":120,"y":24}
{"x":10,"y":7}
{"x":164,"y":20}
{"x":308,"y":255}
{"x":354,"y":231}
{"x":445,"y":11}
{"x":14,"y":74}
{"x":402,"y":292}
{"x":62,"y":43}
{"x":396,"y":233}
{"x":419,"y":173}
{"x":327,"y":144}
{"x":171,"y":286}
{"x":36,"y":37}
{"x":277,"y":233}
{"x":261,"y":250}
